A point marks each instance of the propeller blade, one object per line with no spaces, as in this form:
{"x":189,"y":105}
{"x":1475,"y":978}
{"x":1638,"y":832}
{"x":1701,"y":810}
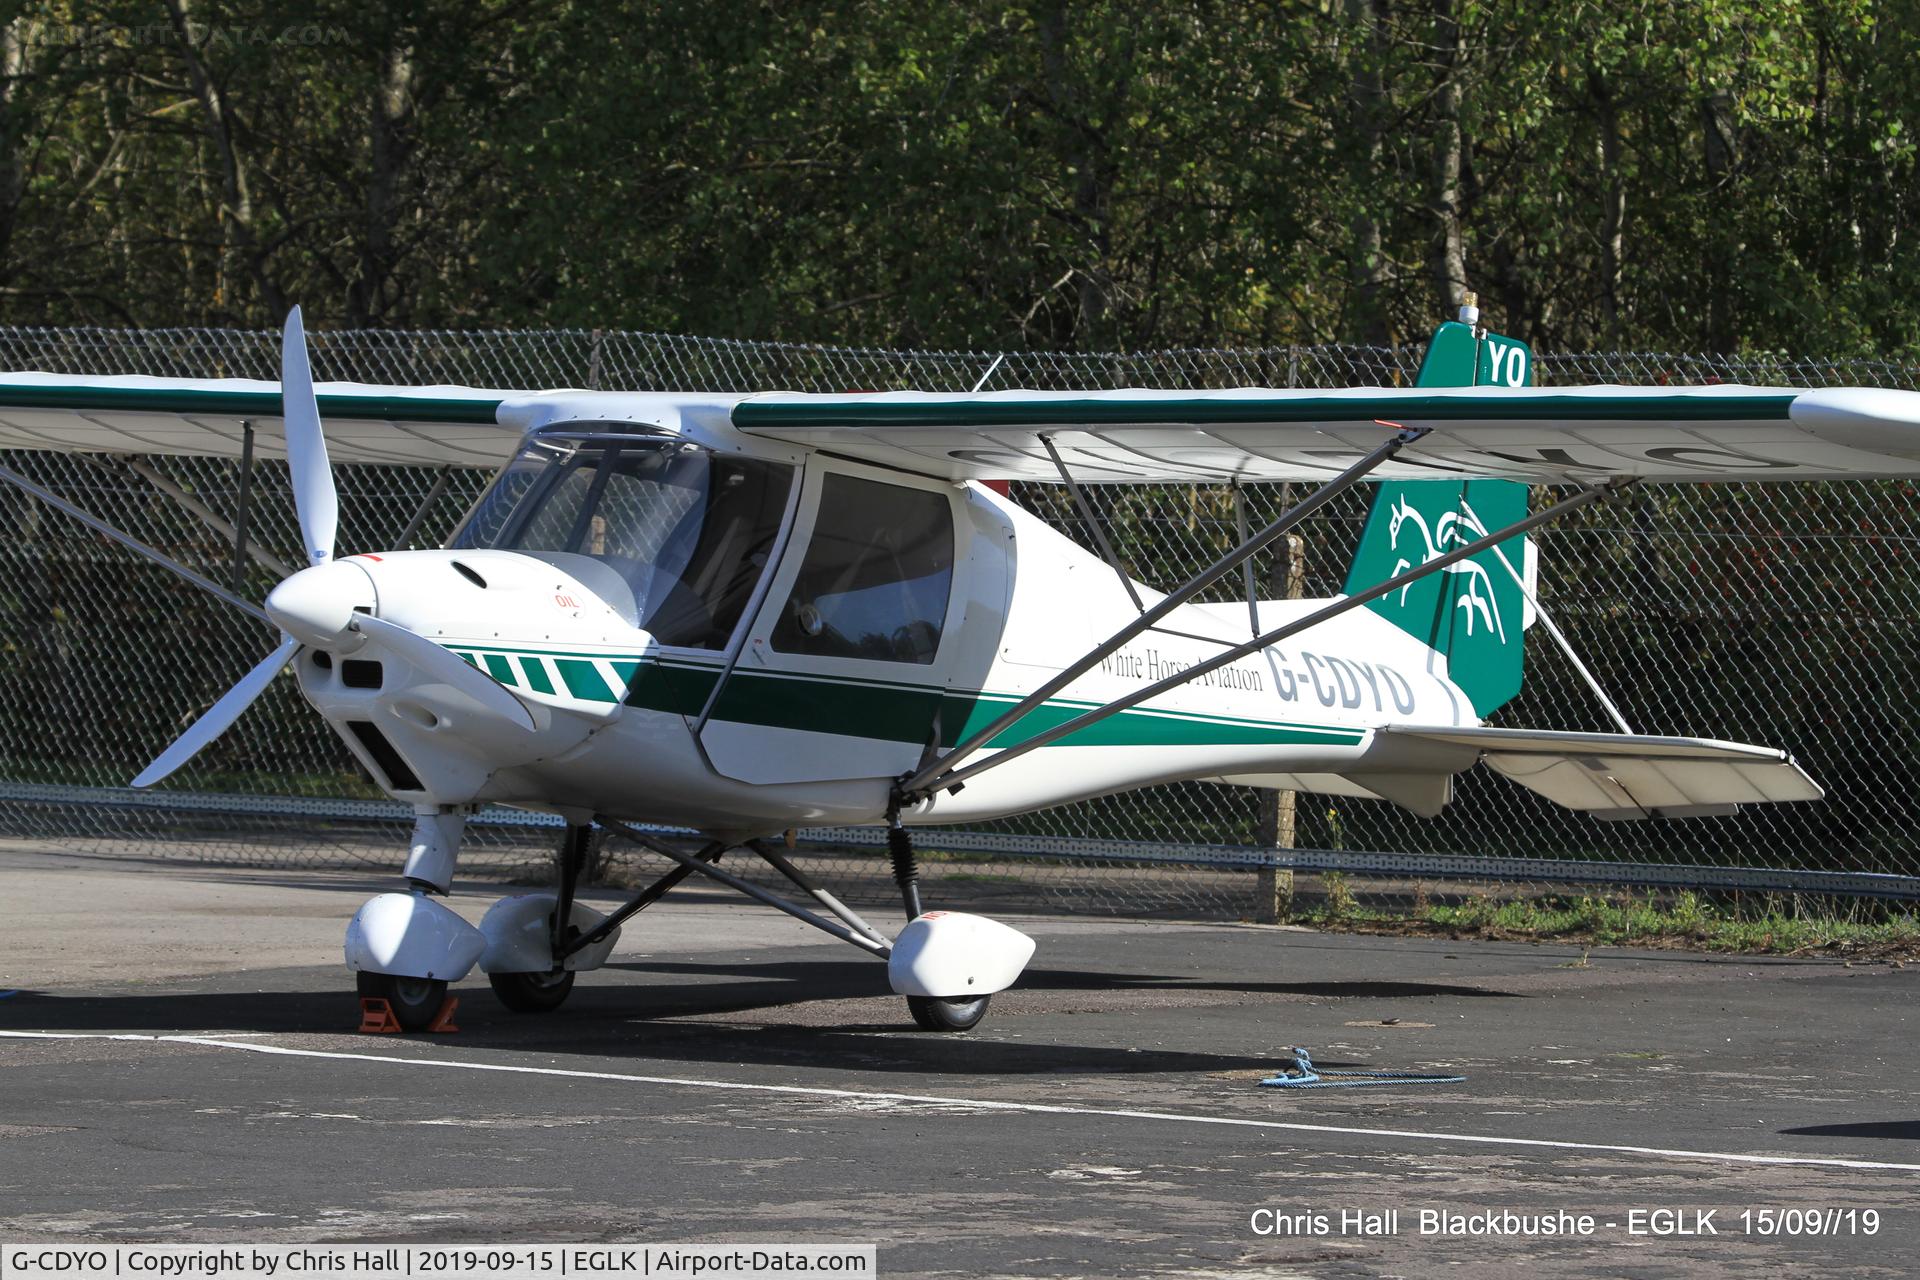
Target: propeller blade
{"x":314,"y":496}
{"x":221,"y":715}
{"x":446,"y":667}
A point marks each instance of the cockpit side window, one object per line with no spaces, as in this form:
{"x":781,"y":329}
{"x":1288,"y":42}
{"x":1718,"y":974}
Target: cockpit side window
{"x":493,"y":512}
{"x":876,"y":577}
{"x":550,"y":524}
{"x":687,"y":532}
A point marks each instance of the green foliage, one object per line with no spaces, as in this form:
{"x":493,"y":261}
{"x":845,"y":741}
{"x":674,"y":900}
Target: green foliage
{"x":1639,"y":921}
{"x":1719,"y":175}
{"x":1340,"y":903}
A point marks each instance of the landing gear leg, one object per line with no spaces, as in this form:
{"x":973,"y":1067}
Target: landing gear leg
{"x":544,"y":991}
{"x":906,"y":868}
{"x":406,"y":947}
{"x":575,"y":847}
{"x":930,"y":1013}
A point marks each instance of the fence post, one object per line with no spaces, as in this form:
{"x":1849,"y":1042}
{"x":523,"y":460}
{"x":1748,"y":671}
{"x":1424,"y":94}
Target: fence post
{"x":595,"y":349}
{"x":1274,"y":890}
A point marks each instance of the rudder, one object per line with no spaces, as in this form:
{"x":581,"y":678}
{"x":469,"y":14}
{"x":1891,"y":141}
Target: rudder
{"x":1473,"y":612}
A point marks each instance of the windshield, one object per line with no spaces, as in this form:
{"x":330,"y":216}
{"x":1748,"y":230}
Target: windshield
{"x":672,"y":535}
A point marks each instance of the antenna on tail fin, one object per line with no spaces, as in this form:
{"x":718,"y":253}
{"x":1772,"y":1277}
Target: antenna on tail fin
{"x":1472,"y":613}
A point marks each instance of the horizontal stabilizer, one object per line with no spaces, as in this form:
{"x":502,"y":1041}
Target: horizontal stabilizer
{"x":1614,"y":775}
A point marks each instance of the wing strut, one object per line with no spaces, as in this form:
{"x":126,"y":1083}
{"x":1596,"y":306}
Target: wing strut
{"x":943,"y":775}
{"x":922,"y":781}
{"x":130,"y":542}
{"x":1093,"y":523}
{"x":1566,"y":645}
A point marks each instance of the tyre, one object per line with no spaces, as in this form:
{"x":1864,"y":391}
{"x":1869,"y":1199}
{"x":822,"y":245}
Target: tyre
{"x":414,"y":1001}
{"x":935,"y":1014}
{"x":532,"y":992}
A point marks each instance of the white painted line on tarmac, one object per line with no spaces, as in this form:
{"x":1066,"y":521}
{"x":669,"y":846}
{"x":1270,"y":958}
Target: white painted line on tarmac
{"x":984,"y":1104}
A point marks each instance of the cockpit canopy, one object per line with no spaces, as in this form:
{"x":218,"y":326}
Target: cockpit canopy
{"x":671,"y":534}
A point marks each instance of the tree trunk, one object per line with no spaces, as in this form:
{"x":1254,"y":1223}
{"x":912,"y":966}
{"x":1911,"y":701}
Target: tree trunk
{"x":1720,"y":158}
{"x":390,"y":145}
{"x":1449,"y":253}
{"x":236,"y":207}
{"x":13,"y":67}
{"x":1613,"y":206}
{"x":1091,"y":182}
{"x":1368,"y":318}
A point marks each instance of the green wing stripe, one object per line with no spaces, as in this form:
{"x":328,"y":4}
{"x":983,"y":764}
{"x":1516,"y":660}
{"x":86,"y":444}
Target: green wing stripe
{"x":1659,"y":406}
{"x":248,"y":404}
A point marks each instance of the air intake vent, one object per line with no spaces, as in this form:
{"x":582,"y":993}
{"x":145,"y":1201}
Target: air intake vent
{"x":359,"y":673}
{"x":399,"y":776}
{"x":470,"y":575}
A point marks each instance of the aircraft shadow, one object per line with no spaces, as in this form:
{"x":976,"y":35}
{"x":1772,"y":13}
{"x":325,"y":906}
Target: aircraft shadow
{"x":621,"y":1030}
{"x":1902,"y":1130}
{"x":684,"y":1019}
{"x":841,"y":979}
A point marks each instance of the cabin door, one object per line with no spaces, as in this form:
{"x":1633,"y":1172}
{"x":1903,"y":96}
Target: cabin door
{"x":845,"y":668}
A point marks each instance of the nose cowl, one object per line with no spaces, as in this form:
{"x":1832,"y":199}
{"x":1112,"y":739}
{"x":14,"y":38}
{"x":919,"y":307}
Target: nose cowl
{"x":315,"y":605}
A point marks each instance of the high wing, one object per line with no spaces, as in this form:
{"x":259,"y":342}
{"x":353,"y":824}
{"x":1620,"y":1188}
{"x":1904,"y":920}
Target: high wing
{"x":441,"y":426}
{"x":1538,"y":434}
{"x":1617,"y":775}
{"x":1721,"y":432}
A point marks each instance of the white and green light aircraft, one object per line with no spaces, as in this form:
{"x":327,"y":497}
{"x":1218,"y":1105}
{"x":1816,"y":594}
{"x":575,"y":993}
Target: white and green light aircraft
{"x":741,"y":614}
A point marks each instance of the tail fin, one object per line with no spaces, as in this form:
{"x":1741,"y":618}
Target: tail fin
{"x":1473,"y":613}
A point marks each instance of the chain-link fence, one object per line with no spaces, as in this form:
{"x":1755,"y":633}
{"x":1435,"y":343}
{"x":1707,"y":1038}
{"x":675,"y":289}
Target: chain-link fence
{"x":1779,"y":614}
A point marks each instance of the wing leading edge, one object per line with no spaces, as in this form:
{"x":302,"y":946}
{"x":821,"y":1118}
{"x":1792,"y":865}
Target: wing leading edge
{"x":446,"y":426}
{"x":1537,"y":434}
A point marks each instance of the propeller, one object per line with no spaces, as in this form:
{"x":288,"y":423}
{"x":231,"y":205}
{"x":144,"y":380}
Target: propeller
{"x":318,"y":603}
{"x":314,"y":497}
{"x":221,"y":715}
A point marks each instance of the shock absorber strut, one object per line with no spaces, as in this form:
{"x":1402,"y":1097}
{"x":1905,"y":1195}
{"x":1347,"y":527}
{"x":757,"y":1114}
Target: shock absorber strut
{"x":906,"y":868}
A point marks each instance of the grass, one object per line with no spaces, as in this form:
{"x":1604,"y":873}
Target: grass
{"x":1769,"y":926}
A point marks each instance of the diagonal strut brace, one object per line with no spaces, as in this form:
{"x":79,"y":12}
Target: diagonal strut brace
{"x":873,"y":944}
{"x":924,"y":780}
{"x":941,"y":776}
{"x":131,"y":543}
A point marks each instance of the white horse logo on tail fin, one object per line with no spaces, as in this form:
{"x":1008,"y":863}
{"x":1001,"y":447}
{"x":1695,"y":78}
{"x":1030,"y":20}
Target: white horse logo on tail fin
{"x":1455,"y":529}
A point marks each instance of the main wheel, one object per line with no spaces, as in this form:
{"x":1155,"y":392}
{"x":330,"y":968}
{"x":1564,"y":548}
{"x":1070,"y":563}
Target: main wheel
{"x":414,"y":1001}
{"x":532,"y":992}
{"x":936,"y":1014}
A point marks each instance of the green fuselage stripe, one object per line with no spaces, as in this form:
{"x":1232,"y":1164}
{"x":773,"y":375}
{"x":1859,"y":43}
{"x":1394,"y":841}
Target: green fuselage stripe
{"x":583,"y":681}
{"x":536,"y":673}
{"x":889,"y":712}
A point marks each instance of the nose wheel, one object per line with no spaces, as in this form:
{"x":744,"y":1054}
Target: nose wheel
{"x":414,"y":1001}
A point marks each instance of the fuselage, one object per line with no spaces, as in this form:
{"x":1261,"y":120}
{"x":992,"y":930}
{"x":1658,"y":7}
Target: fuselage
{"x":729,"y":634}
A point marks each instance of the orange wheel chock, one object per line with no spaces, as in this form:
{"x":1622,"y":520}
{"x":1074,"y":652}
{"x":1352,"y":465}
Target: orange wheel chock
{"x":442,"y":1023}
{"x":376,"y":1017}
